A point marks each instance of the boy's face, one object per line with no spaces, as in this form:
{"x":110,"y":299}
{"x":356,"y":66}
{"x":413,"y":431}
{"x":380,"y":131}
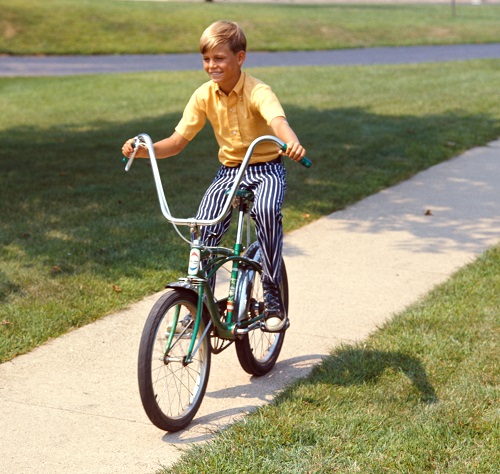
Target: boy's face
{"x":223,"y":66}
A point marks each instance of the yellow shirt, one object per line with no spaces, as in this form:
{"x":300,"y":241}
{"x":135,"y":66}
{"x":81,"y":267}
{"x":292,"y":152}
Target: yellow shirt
{"x":237,"y":118}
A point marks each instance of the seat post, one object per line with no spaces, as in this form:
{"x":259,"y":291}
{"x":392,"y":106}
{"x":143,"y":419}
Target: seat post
{"x":243,"y":199}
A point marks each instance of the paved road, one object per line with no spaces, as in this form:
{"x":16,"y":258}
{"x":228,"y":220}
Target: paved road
{"x":70,"y":65}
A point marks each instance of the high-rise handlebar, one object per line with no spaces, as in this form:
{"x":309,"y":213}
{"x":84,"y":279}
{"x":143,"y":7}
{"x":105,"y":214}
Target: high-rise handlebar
{"x":145,"y":140}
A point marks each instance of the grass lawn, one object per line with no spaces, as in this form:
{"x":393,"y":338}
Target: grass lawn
{"x":80,"y":238}
{"x":421,"y":395}
{"x":115,"y":26}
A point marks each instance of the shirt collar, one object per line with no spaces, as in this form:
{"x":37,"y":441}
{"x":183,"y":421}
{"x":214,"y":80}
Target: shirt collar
{"x":236,"y":89}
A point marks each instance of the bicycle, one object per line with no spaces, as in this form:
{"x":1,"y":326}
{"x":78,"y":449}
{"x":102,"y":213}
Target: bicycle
{"x":188,"y":324}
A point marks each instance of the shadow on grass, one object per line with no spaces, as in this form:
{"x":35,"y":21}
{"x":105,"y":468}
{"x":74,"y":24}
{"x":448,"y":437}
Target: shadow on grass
{"x":356,"y":366}
{"x":68,"y":207}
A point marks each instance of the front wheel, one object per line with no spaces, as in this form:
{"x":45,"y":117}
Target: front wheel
{"x":172,"y":388}
{"x":258,"y":351}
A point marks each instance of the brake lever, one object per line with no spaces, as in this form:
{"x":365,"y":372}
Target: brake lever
{"x":132,"y":156}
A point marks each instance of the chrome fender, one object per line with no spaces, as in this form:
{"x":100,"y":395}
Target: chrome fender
{"x":244,"y":285}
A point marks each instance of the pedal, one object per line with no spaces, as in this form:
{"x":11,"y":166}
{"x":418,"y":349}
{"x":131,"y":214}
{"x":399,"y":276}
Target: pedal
{"x":264,"y":329}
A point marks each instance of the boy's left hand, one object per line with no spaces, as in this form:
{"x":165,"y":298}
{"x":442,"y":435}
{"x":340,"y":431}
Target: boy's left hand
{"x":294,"y":151}
{"x":281,"y":128}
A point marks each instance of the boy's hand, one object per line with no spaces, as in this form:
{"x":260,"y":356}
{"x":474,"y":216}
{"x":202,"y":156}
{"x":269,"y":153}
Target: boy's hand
{"x":294,"y":151}
{"x":127,"y":148}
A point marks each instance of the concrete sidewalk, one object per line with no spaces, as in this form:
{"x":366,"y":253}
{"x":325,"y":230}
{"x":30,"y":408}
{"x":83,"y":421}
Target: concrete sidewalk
{"x":73,"y":404}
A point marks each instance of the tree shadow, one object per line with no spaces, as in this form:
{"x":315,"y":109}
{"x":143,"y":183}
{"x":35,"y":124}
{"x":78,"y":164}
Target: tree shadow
{"x":69,"y":212}
{"x":75,"y":199}
{"x":356,"y":366}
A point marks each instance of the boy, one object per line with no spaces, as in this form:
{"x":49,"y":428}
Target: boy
{"x":240,"y":109}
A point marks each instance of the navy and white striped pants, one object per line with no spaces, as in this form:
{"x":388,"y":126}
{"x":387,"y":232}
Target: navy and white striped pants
{"x":268,"y":183}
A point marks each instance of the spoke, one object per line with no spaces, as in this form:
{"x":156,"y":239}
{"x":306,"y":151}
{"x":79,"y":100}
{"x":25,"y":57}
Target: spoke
{"x":177,"y":385}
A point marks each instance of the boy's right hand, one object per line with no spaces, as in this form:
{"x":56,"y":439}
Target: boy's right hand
{"x":127,"y":148}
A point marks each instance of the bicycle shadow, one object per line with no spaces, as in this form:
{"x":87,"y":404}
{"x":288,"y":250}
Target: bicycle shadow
{"x":203,"y":428}
{"x":345,"y":367}
{"x":245,"y":398}
{"x":284,"y":371}
{"x":357,"y":366}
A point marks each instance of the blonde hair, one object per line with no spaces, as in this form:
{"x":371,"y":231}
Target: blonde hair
{"x":223,"y":32}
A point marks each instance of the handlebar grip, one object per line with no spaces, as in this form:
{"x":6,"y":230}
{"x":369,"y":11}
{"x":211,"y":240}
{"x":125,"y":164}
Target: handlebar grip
{"x":305,"y":162}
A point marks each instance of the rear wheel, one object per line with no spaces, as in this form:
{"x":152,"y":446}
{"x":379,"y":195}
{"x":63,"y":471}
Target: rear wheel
{"x":172,"y":389}
{"x":258,"y":351}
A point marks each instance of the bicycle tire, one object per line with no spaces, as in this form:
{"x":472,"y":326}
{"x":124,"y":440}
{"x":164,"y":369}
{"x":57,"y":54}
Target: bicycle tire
{"x":172,"y":391}
{"x":258,"y":351}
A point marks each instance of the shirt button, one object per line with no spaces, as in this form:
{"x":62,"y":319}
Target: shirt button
{"x":230,"y":110}
{"x":234,"y":132}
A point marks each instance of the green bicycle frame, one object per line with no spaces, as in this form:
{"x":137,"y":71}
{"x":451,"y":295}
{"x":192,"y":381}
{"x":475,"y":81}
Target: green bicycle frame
{"x":199,"y":277}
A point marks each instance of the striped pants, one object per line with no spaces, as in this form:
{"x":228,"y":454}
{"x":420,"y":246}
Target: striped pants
{"x":268,"y":183}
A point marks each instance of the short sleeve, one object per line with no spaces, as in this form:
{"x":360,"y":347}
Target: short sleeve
{"x":193,"y":118}
{"x":267,"y":103}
